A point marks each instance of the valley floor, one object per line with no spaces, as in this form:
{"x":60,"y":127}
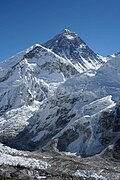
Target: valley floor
{"x":65,"y":166}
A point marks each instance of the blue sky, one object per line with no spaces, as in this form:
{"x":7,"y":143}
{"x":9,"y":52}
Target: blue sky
{"x":26,"y":22}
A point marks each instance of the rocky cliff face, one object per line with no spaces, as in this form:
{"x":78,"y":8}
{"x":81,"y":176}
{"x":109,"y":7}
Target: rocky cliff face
{"x":70,"y":46}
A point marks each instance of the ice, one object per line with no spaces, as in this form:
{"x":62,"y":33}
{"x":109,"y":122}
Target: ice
{"x":69,"y":37}
{"x":91,"y":174}
{"x":38,"y":85}
{"x":6,"y":159}
{"x":13,"y":157}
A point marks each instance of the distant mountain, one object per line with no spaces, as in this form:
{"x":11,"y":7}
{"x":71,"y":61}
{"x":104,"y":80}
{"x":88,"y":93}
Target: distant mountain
{"x":114,"y":55}
{"x":70,"y":46}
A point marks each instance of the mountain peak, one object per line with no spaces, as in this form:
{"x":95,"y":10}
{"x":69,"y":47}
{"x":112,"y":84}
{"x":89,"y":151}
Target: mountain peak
{"x":66,"y":31}
{"x":69,"y":34}
{"x":114,"y":55}
{"x":70,"y":46}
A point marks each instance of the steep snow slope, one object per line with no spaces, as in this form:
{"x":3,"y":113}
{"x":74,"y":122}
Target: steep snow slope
{"x":30,"y":70}
{"x":69,"y":45}
{"x":35,"y":73}
{"x":25,"y":81}
{"x":82,"y":115}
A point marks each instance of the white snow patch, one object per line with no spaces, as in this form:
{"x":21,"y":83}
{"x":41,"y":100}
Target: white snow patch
{"x":17,"y":118}
{"x":7,"y":150}
{"x":68,"y":36}
{"x":6,"y":159}
{"x":82,"y":46}
{"x":13,"y":157}
{"x":92,"y":174}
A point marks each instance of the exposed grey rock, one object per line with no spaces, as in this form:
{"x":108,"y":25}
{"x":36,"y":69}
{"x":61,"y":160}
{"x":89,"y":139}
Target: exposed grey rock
{"x":69,"y":45}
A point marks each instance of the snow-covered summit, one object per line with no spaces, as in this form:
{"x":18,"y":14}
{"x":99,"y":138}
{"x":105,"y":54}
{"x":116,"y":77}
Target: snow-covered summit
{"x":69,"y":45}
{"x":69,"y":34}
{"x":114,"y":55}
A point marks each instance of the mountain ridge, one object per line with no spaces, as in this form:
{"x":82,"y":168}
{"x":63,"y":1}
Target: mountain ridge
{"x":55,"y":87}
{"x":69,"y":45}
{"x":61,"y":105}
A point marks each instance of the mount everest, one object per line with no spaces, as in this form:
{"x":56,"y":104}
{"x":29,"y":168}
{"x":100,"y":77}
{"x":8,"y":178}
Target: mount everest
{"x":61,"y":95}
{"x":32,"y":76}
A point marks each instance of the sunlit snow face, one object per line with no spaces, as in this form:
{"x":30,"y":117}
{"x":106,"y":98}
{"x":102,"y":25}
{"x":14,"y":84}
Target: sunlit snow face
{"x":83,"y":46}
{"x":68,"y":36}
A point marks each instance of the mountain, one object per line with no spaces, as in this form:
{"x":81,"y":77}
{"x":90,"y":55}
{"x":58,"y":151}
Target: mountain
{"x":33,"y":75}
{"x":114,"y":55}
{"x":61,"y":101}
{"x":70,"y":46}
{"x":26,"y":80}
{"x":83,"y":115}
